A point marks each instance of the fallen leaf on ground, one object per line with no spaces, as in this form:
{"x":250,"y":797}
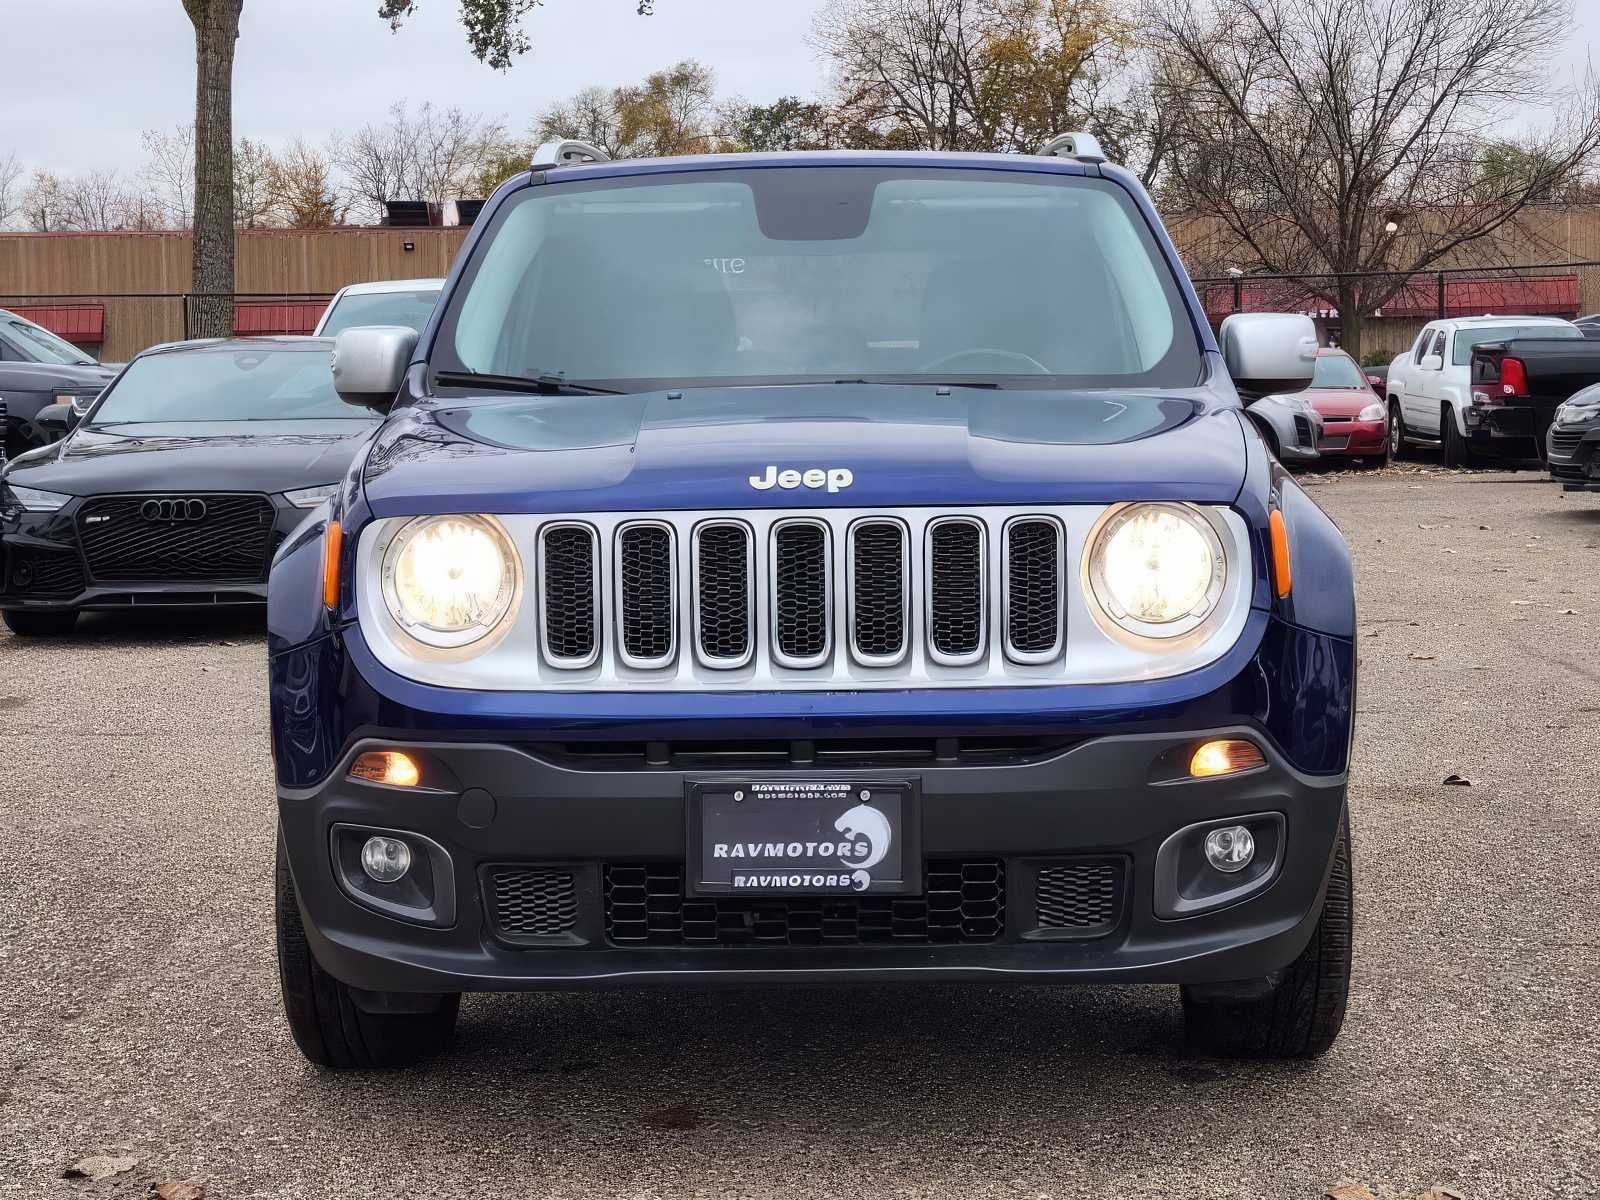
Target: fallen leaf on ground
{"x":101,"y":1166}
{"x":179,"y":1189}
{"x":1485,"y":527}
{"x":1440,"y":1192}
{"x":1349,"y":1191}
{"x":1523,"y":603}
{"x":1421,"y":526}
{"x":1457,"y":781}
{"x":1422,"y":657}
{"x":1569,"y":612}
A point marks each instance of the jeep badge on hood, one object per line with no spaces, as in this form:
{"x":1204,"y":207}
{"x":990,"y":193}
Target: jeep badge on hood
{"x":836,"y":478}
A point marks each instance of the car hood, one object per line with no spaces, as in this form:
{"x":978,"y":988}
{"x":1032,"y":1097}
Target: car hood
{"x":1340,"y":402}
{"x":712,"y":448}
{"x":32,"y":376}
{"x":158,"y":458}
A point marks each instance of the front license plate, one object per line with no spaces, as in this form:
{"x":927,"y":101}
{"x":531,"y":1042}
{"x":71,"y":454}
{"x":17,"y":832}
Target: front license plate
{"x":823,"y":837}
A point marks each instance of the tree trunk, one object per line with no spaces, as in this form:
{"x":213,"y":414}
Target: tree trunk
{"x":216,"y":29}
{"x":1350,"y":317}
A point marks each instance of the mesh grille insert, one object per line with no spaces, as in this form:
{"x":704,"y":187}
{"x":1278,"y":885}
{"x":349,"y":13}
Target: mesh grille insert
{"x":800,"y":590}
{"x":155,"y":539}
{"x":956,"y":588}
{"x":531,"y":902}
{"x":569,"y":592}
{"x":1083,"y":897}
{"x":723,"y":578}
{"x":878,"y":623}
{"x":35,"y":572}
{"x":1033,"y":587}
{"x":645,"y":590}
{"x":963,"y":903}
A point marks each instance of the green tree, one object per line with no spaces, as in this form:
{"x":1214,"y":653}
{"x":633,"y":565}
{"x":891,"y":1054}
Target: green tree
{"x":788,"y":123}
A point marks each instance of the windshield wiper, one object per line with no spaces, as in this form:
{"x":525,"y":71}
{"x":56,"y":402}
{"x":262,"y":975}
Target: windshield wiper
{"x":543,"y":385}
{"x":922,"y":380}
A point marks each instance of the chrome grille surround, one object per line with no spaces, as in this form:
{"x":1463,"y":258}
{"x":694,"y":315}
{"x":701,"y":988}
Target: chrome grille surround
{"x":518,"y":658}
{"x":857,"y":611}
{"x":795,"y":643}
{"x":1011,"y":598}
{"x":634,"y":622}
{"x":574,"y":621}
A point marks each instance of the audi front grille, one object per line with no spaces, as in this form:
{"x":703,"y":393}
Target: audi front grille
{"x":176,"y":539}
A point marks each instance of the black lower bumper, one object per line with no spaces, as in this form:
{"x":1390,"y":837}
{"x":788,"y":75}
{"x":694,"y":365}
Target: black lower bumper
{"x":1044,"y":870}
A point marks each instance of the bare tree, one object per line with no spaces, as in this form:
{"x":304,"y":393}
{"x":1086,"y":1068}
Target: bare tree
{"x":436,"y":156}
{"x":590,"y":116}
{"x":252,"y":184}
{"x":95,"y":201}
{"x":304,"y":195}
{"x":169,"y":172}
{"x":10,"y":188}
{"x":40,"y":205}
{"x":1325,"y":139}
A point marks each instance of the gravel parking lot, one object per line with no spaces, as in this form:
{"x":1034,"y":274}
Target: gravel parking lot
{"x":139,"y":996}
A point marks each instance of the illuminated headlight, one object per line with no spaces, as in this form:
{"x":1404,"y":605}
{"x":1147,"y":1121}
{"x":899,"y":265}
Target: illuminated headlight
{"x":32,"y":499}
{"x":1372,"y":412}
{"x":453,"y":580}
{"x":312,"y":496}
{"x":1156,"y":570}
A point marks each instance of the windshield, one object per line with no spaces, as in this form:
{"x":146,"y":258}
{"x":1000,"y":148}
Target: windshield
{"x":226,"y":385}
{"x":814,"y":274}
{"x":411,"y":309}
{"x":40,"y":345}
{"x":1466,"y":339}
{"x":1337,"y":371}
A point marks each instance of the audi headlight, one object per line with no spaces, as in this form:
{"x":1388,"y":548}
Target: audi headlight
{"x":1156,"y":570}
{"x":1372,"y":412}
{"x":32,"y":499}
{"x":452,"y":580}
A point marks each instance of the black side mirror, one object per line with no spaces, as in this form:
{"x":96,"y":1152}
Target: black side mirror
{"x":55,"y":421}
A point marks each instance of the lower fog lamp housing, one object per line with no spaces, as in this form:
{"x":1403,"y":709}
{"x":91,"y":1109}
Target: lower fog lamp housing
{"x":1212,"y":864}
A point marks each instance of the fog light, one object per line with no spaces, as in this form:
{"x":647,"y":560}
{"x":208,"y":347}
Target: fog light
{"x":386,"y":860}
{"x":386,"y":766}
{"x":1228,"y":850}
{"x":1226,"y":757}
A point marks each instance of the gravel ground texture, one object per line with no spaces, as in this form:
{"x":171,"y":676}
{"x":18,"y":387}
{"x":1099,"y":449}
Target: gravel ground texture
{"x":139,"y":997}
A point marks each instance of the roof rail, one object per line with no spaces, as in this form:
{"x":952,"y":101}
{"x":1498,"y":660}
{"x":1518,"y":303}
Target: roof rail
{"x":565,"y":151}
{"x":1084,"y":147}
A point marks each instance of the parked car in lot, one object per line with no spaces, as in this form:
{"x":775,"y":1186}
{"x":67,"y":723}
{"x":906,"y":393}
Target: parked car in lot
{"x":1430,"y":389}
{"x":1572,"y":448}
{"x":407,"y":302}
{"x":178,"y":485}
{"x":37,"y":370}
{"x":1353,"y":419}
{"x":1518,"y":384}
{"x":812,"y":567}
{"x":1290,"y":425}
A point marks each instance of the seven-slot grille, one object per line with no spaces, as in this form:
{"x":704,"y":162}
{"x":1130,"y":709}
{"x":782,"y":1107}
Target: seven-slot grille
{"x":1079,"y":898}
{"x":803,"y":590}
{"x":158,"y":539}
{"x":529,"y":902}
{"x":962,"y":903}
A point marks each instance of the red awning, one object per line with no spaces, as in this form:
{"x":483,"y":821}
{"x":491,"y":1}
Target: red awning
{"x":264,"y":317}
{"x":1527,"y":295}
{"x":82,"y":323}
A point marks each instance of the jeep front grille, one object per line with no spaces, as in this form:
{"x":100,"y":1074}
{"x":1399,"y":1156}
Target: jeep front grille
{"x":819,"y":599}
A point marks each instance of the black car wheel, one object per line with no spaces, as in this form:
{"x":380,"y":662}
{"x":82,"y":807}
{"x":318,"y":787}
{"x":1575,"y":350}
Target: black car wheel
{"x":1398,"y":446}
{"x":330,"y":1028}
{"x":1300,"y":1012}
{"x":33,"y":623}
{"x":1457,"y":453}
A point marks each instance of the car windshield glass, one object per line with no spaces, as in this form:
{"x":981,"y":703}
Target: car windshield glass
{"x":40,"y":345}
{"x":226,"y":385}
{"x":820,"y":274}
{"x":1488,"y":335}
{"x":411,"y":309}
{"x":1336,"y":371}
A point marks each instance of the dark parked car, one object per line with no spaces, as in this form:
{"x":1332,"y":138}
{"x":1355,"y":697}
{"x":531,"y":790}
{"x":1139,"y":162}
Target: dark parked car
{"x":178,"y":485}
{"x":38,"y":370}
{"x":1572,"y":447}
{"x":1518,"y":384}
{"x":806,"y":568}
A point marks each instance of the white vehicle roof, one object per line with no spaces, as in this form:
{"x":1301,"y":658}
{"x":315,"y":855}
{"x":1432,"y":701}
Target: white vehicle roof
{"x":1500,"y":319}
{"x":383,"y":286}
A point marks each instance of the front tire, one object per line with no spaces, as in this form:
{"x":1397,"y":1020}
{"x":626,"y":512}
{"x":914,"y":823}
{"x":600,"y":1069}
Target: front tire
{"x":330,"y":1028}
{"x":1399,"y":448}
{"x":1302,"y":1010}
{"x":1457,"y":452}
{"x":35,"y":623}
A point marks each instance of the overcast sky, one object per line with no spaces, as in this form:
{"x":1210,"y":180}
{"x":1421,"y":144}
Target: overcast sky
{"x":84,"y":77}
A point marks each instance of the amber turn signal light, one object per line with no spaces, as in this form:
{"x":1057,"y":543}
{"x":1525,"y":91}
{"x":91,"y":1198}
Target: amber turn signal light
{"x":1281,"y":577}
{"x":332,"y":544}
{"x":1228,"y":756}
{"x":386,"y":766}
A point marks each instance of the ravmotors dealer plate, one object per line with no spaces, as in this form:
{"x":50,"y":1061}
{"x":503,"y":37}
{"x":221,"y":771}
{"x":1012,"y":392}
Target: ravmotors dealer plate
{"x":803,"y":837}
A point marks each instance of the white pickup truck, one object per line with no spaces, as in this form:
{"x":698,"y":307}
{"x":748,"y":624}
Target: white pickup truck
{"x":1430,"y":386}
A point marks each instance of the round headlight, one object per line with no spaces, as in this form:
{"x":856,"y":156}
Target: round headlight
{"x":452,"y":580}
{"x":1157,"y":570}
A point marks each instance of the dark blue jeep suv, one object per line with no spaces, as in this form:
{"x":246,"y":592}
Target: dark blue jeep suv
{"x":814,"y":567}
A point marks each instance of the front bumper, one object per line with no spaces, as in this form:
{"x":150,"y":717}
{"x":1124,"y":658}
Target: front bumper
{"x":1352,"y":439}
{"x":585,"y":824}
{"x":1572,"y":452}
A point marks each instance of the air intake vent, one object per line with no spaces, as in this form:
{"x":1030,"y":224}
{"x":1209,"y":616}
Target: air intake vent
{"x":570,"y":573}
{"x":802,"y":593}
{"x":724,"y":603}
{"x":879,"y":592}
{"x":645,"y":594}
{"x":1033,"y":588}
{"x":530,"y":903}
{"x":955,"y":590}
{"x":1079,"y":899}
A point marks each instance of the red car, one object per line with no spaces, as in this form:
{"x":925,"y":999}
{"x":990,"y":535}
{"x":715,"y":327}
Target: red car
{"x":1354,"y":423}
